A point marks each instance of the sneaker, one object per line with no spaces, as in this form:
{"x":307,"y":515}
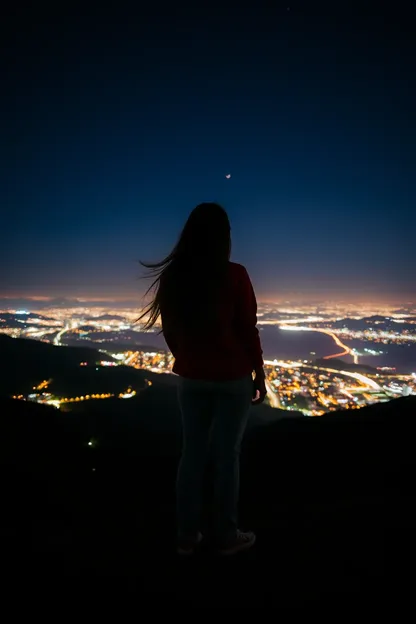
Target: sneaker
{"x":242,"y":541}
{"x":188,"y":546}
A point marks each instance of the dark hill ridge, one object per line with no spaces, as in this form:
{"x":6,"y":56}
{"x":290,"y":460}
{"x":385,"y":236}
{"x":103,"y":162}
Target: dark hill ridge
{"x":320,"y":493}
{"x":30,"y":361}
{"x":114,"y":345}
{"x":109,"y":317}
{"x":35,"y":349}
{"x":381,"y":322}
{"x":20,"y":321}
{"x":87,"y":328}
{"x":348,"y":366}
{"x":7,"y":316}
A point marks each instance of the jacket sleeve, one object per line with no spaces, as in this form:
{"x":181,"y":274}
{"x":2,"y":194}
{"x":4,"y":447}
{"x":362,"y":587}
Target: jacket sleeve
{"x":246,"y":314}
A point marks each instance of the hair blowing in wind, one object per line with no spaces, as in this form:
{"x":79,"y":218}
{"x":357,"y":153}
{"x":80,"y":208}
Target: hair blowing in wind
{"x":189,"y":280}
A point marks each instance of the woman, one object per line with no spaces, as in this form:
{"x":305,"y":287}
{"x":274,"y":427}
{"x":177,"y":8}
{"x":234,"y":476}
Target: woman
{"x":208,"y":312}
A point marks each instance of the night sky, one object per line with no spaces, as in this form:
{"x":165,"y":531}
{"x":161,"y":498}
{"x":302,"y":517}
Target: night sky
{"x":116,"y":125}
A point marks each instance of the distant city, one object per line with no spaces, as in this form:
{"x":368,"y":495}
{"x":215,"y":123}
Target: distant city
{"x":319,"y":358}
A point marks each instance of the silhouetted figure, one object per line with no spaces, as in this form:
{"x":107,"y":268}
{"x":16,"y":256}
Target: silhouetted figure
{"x":208,"y":311}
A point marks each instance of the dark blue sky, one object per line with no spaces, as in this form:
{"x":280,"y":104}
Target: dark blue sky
{"x":115,"y":126}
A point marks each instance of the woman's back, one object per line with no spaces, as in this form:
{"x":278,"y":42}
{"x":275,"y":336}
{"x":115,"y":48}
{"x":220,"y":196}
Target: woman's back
{"x":223,"y":343}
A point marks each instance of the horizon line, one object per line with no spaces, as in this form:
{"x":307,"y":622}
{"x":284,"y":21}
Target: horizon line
{"x":294,"y":297}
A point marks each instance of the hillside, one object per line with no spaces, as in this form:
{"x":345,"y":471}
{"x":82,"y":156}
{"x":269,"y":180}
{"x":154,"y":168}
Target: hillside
{"x":29,"y":362}
{"x":10,"y":319}
{"x":381,"y":322}
{"x":320,"y":493}
{"x":32,"y":350}
{"x":110,"y":346}
{"x":348,"y":366}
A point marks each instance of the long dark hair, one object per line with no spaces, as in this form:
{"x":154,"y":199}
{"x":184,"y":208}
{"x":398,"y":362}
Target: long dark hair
{"x":188,"y":281}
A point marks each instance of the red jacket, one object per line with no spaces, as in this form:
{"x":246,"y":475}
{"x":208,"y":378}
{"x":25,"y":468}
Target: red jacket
{"x":231,"y":352}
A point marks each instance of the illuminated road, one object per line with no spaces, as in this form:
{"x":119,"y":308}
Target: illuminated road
{"x":128,"y":361}
{"x":57,"y":339}
{"x":273,"y":396}
{"x":365,"y":380}
{"x":328,"y":332}
{"x":347,"y":350}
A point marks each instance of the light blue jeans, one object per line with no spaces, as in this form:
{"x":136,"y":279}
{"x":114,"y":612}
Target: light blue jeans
{"x":213,"y":413}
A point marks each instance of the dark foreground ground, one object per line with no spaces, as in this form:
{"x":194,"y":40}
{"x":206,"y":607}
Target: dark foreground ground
{"x":331,"y":500}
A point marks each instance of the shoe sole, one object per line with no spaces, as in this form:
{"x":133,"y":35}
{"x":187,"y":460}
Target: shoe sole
{"x":186,"y":553}
{"x":191,"y":551}
{"x":237,"y":549}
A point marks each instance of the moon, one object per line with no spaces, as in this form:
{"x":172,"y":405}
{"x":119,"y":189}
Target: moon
{"x":228,"y":176}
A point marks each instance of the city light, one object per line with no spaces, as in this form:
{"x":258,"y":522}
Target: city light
{"x":311,"y":386}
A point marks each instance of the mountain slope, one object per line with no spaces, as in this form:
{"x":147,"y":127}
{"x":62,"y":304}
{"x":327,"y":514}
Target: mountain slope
{"x":318,"y":492}
{"x":29,"y":362}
